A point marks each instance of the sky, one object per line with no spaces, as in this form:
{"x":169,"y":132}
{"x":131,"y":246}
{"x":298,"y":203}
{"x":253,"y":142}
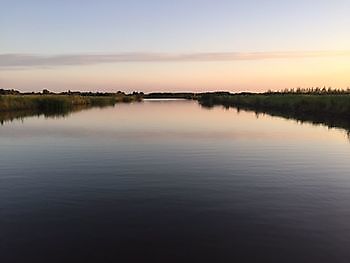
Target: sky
{"x":182,"y":45}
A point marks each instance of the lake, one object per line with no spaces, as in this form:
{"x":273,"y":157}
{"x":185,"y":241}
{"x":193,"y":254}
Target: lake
{"x":171,"y":181}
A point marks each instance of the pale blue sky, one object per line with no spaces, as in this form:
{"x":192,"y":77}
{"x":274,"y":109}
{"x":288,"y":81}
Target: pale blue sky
{"x":66,"y":26}
{"x":75,"y":27}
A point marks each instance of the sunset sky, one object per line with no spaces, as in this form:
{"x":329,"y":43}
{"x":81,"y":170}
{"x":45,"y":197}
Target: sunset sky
{"x":182,"y":45}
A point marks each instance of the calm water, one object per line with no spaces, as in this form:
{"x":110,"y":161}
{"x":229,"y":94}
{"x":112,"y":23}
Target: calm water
{"x":169,"y":181}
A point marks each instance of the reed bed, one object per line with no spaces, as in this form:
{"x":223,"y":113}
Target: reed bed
{"x":57,"y":102}
{"x":335,"y":105}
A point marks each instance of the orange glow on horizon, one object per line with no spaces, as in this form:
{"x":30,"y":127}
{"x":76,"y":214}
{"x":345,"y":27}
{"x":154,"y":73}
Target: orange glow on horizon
{"x":249,"y":75}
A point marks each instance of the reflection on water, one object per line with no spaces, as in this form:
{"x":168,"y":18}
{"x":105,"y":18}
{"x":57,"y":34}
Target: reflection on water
{"x":170,"y":181}
{"x":10,"y":116}
{"x":328,"y":120}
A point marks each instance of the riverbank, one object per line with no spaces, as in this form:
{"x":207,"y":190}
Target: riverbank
{"x":53,"y":102}
{"x":338,"y":105}
{"x":330,"y":109}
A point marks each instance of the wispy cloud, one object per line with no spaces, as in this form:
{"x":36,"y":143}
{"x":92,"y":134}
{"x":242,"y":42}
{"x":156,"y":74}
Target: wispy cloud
{"x":16,"y":61}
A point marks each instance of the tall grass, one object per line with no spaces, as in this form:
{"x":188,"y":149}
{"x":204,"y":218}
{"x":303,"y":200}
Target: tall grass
{"x":330,"y":109}
{"x":308,"y":104}
{"x":56,"y":102}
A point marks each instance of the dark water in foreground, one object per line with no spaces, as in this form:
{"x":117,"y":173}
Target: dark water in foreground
{"x":169,"y":181}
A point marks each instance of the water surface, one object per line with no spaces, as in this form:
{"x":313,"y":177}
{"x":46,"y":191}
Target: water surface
{"x":170,"y":181}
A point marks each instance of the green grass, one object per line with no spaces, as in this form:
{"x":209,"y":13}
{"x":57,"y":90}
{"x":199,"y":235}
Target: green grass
{"x":308,"y":104}
{"x":330,"y":109}
{"x":14,"y":107}
{"x":46,"y":103}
